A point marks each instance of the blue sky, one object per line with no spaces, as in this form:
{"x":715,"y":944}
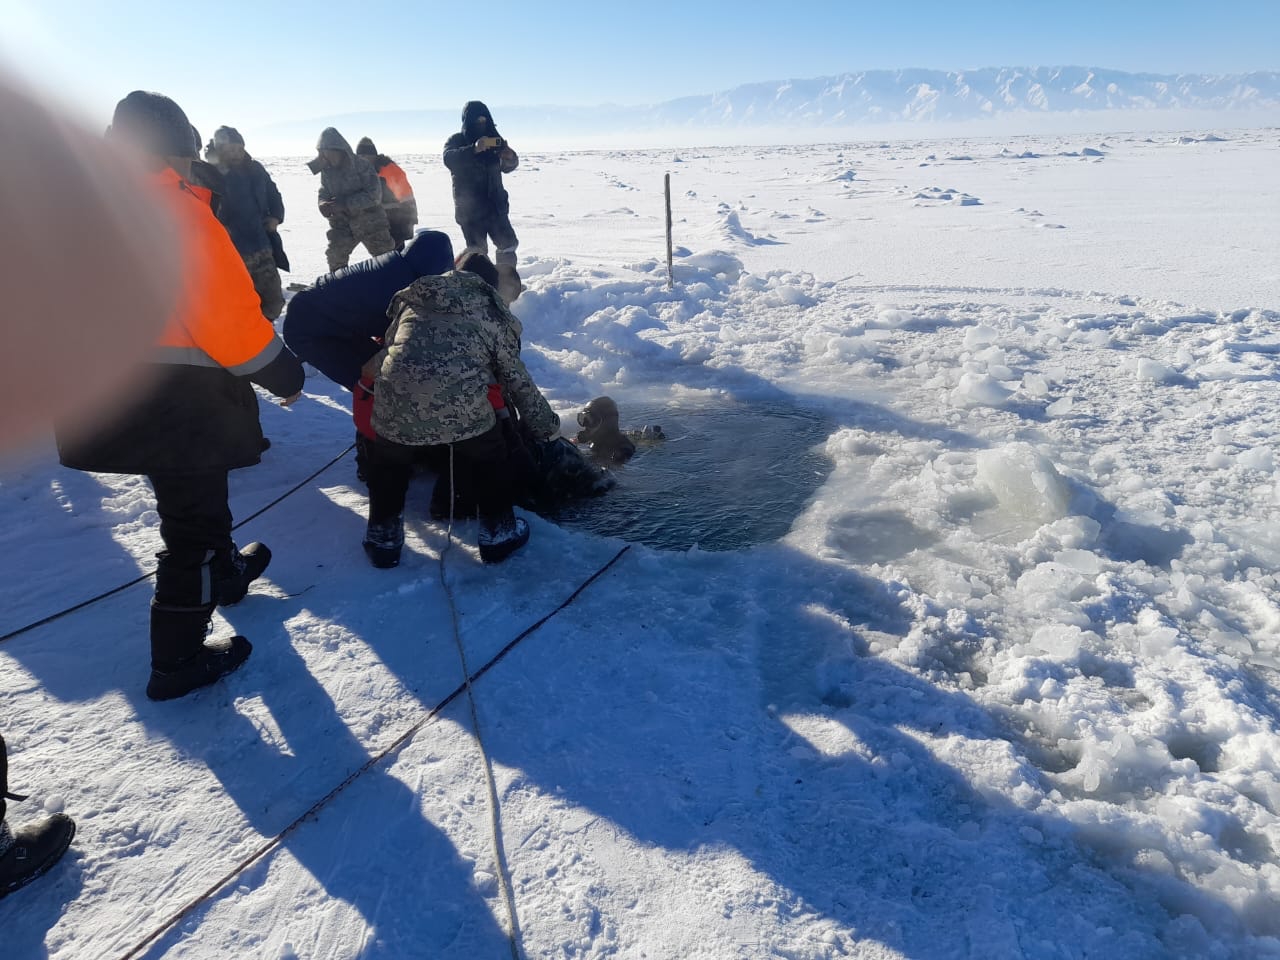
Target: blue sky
{"x":293,"y":60}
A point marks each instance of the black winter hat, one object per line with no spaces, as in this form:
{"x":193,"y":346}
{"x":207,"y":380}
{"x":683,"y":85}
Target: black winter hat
{"x":155,"y":123}
{"x":228,"y":135}
{"x":365,"y":148}
{"x":471,"y":111}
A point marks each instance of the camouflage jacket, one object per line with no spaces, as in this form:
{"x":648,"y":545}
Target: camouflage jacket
{"x":450,"y":337}
{"x":355,"y":185}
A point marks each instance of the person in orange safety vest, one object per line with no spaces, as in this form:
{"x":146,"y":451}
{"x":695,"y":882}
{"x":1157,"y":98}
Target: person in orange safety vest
{"x":195,"y":418}
{"x":397,"y":194}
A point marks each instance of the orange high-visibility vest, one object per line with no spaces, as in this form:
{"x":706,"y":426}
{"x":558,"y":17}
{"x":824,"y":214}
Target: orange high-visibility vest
{"x":218,"y":320}
{"x":396,"y":181}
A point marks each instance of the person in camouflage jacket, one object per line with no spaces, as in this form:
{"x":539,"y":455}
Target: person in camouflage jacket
{"x":451,"y":337}
{"x":350,"y":198}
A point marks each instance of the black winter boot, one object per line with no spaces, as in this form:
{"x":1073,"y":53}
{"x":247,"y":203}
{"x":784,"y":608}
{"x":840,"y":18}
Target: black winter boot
{"x":32,"y":851}
{"x":181,"y":659}
{"x":233,"y":571}
{"x":502,"y":536}
{"x":383,"y":542}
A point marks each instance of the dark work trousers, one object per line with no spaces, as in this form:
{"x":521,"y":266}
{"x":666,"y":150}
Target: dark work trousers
{"x":4,"y":776}
{"x":480,"y":467}
{"x":497,"y":225}
{"x":195,"y":524}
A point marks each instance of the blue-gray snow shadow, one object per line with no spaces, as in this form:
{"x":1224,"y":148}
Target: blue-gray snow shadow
{"x":370,"y":846}
{"x":683,"y":750}
{"x":271,"y":778}
{"x":27,"y":915}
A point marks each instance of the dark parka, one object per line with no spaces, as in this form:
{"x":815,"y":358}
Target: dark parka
{"x":194,"y":411}
{"x":250,"y":196}
{"x":477,"y":177}
{"x":333,"y":324}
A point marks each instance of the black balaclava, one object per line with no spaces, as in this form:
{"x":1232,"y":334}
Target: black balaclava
{"x":473,"y":130}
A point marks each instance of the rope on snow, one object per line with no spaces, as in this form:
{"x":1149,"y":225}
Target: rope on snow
{"x":151,"y":573}
{"x":495,"y":811}
{"x":177,"y":917}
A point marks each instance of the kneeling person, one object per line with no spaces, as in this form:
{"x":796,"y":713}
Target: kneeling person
{"x":450,"y":337}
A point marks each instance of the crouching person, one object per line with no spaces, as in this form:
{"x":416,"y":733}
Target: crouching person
{"x":450,"y":337}
{"x":194,"y":417}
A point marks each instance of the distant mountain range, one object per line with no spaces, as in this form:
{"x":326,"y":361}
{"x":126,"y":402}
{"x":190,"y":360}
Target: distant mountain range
{"x":895,"y":95}
{"x":857,"y":99}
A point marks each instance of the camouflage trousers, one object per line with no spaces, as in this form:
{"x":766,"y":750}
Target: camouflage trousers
{"x":261,"y":265}
{"x":368,"y":226}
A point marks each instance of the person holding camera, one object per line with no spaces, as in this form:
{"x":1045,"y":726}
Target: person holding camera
{"x":350,"y":199}
{"x":477,"y":157}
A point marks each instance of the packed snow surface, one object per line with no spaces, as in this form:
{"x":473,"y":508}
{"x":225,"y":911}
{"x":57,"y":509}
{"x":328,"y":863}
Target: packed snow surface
{"x":1002,"y":684}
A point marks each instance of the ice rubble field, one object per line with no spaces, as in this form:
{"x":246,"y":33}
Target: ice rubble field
{"x":1007,"y":688}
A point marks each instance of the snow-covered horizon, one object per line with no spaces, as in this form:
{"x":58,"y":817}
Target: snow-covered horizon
{"x":992,"y":101}
{"x":1005,"y":687}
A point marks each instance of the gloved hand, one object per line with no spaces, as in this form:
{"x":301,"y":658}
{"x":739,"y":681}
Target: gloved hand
{"x":487,"y":143}
{"x":328,"y":208}
{"x":362,"y":407}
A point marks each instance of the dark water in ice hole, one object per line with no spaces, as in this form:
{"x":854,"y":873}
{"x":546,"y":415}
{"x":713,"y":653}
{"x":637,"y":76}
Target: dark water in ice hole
{"x":730,"y":474}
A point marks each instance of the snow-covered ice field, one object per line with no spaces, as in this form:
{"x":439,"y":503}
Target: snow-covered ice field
{"x":1009,"y":686}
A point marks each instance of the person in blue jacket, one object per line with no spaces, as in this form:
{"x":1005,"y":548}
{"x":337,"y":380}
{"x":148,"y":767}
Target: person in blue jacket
{"x":337,"y":324}
{"x":251,"y":210}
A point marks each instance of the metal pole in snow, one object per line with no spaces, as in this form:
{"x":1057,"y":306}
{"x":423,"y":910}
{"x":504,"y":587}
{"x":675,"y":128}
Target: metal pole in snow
{"x":670,"y":275}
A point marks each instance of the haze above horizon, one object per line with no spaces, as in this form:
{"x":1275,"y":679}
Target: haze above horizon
{"x":254,"y":65}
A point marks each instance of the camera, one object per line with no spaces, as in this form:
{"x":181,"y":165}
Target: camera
{"x":500,"y":142}
{"x":315,"y":164}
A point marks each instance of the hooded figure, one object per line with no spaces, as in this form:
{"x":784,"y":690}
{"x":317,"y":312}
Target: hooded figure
{"x":477,"y":157}
{"x":350,"y":198}
{"x":251,"y":210}
{"x":397,"y":194}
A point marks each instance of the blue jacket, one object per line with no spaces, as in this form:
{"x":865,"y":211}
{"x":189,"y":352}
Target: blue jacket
{"x":333,"y":324}
{"x":249,"y":197}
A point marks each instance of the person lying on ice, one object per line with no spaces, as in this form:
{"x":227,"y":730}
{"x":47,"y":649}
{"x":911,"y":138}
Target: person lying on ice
{"x":450,"y":337}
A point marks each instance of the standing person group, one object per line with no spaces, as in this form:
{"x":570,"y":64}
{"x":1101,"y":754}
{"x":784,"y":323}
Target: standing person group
{"x":350,"y":198}
{"x":440,"y":375}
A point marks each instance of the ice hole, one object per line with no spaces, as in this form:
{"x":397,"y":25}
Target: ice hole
{"x":731,"y":473}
